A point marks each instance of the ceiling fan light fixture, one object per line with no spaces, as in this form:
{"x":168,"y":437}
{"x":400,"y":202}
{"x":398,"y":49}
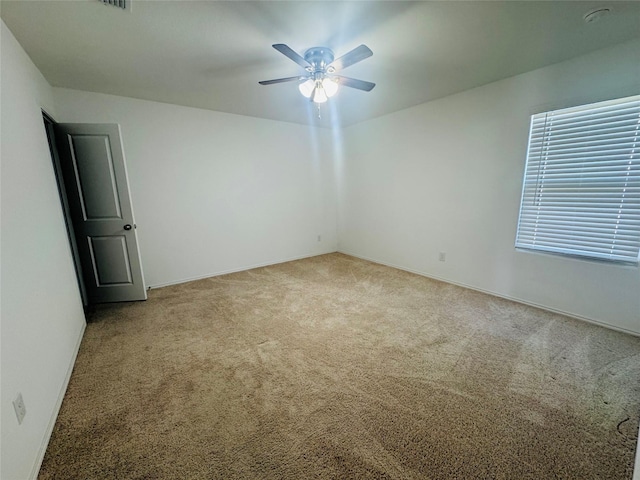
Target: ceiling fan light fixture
{"x":306,"y":87}
{"x":318,"y":89}
{"x":319,"y":95}
{"x":330,"y":86}
{"x":319,"y":83}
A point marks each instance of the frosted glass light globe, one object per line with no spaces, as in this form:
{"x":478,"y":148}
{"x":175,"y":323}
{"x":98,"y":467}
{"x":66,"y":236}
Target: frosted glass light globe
{"x":320,"y":95}
{"x":330,"y":87}
{"x":306,"y":88}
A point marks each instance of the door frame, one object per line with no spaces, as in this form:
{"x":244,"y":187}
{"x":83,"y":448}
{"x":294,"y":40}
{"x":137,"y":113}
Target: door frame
{"x":49,"y":123}
{"x":93,"y":166}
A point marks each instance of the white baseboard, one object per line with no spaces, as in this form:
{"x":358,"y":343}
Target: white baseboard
{"x":636,"y":470}
{"x":56,"y":410}
{"x":240,"y":269}
{"x":52,"y":421}
{"x":500,"y":295}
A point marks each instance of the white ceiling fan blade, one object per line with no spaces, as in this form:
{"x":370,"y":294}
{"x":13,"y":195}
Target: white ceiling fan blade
{"x":354,"y":83}
{"x":281,"y":80}
{"x":287,"y":51}
{"x":354,"y":56}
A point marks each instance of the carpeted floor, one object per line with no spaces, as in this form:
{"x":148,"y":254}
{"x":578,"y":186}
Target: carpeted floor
{"x":334,"y":367}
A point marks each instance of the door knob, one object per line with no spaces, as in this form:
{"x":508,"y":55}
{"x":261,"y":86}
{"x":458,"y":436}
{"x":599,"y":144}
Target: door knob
{"x":127,"y":227}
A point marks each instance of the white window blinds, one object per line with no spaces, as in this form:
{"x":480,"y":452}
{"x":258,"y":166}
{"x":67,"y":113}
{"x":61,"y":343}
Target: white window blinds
{"x":581,"y":191}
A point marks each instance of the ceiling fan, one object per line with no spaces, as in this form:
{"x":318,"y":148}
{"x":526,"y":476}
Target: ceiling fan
{"x":320,"y":82}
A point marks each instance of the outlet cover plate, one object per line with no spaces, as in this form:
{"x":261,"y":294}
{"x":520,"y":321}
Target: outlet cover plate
{"x":19,"y":407}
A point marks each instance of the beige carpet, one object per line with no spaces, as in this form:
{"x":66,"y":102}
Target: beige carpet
{"x":334,"y":367}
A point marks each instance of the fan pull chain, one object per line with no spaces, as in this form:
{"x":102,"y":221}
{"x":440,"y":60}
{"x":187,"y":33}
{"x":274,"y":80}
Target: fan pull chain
{"x":319,"y":116}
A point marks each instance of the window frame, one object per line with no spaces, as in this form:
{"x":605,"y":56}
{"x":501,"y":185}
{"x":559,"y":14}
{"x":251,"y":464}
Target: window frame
{"x":527,"y":242}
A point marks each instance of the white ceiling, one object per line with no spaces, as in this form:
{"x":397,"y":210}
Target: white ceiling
{"x":211,"y":54}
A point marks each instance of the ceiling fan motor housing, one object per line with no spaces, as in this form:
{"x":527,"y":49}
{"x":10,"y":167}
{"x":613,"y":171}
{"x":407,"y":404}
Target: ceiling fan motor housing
{"x":319,"y":58}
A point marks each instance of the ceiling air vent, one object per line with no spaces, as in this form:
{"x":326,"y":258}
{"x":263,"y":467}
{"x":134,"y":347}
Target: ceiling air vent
{"x":123,"y":4}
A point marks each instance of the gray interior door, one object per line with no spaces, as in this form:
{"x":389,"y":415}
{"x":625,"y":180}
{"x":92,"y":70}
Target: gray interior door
{"x":95,"y":177}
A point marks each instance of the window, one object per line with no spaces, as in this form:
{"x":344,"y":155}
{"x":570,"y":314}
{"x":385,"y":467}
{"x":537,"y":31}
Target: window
{"x":581,"y":189}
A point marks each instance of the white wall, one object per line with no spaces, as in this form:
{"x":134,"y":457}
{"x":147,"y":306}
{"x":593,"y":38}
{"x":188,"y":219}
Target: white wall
{"x":214,"y":192}
{"x":41,"y":313}
{"x":446,"y":176}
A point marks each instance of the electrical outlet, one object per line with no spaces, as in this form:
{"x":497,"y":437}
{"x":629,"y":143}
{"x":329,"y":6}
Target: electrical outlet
{"x":442,"y":256}
{"x":18,"y":406}
{"x":319,"y":238}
